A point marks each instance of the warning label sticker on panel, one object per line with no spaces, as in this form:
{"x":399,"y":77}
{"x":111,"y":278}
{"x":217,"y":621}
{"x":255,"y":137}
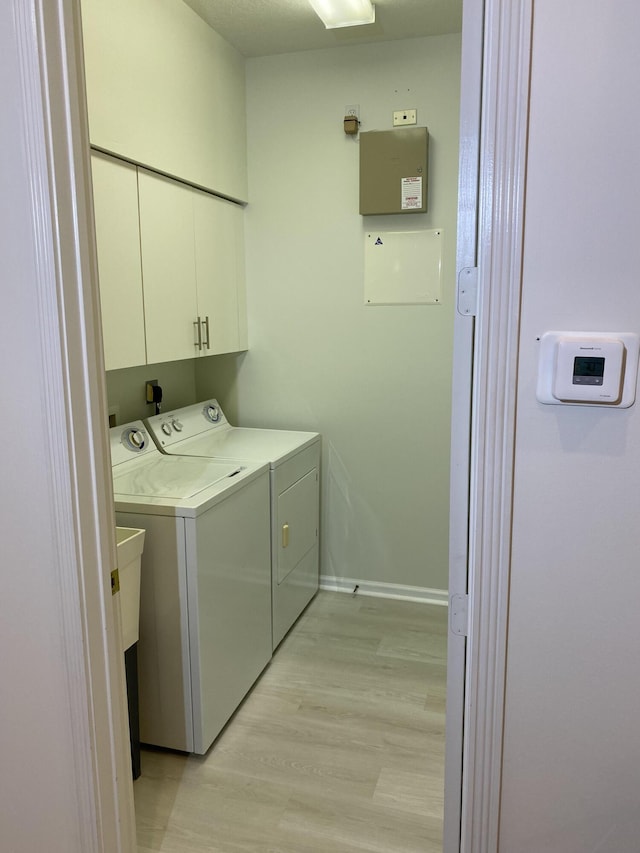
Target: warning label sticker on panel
{"x":411,"y":193}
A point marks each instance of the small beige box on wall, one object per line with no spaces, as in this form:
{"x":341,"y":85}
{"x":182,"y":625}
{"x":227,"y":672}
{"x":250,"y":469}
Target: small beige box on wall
{"x":393,"y":171}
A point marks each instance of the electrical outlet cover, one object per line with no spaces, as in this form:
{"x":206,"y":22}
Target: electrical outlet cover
{"x":403,"y":117}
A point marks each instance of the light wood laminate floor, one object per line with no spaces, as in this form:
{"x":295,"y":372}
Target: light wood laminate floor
{"x":339,"y":748}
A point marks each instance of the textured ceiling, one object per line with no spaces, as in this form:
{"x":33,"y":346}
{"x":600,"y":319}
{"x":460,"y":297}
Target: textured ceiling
{"x":265,"y":27}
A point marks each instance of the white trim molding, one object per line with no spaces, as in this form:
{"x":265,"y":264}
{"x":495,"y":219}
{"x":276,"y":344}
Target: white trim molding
{"x":48,"y":49}
{"x":377,"y":589}
{"x":35,"y":71}
{"x":463,"y":337}
{"x":503,"y":141}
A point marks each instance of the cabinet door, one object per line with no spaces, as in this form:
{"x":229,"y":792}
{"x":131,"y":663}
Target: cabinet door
{"x":164,"y":89}
{"x":219,"y":247}
{"x":115,"y":198}
{"x":168,"y":261}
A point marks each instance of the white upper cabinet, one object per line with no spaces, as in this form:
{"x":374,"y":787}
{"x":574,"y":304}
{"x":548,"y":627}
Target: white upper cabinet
{"x":168,"y":263}
{"x":219,"y":257}
{"x":115,"y":192}
{"x":193,"y":270}
{"x":166,"y":91}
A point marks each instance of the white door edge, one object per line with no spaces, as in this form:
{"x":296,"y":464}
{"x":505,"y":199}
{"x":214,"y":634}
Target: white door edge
{"x":463,"y":336}
{"x":47,"y":41}
{"x":503,"y":138}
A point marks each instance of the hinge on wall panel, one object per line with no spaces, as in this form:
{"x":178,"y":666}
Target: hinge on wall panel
{"x":459,"y":615}
{"x":468,"y":291}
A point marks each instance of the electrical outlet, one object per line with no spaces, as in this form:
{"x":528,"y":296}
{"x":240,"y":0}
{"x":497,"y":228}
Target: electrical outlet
{"x":405,"y":117}
{"x":352,"y":110}
{"x":148,"y":389}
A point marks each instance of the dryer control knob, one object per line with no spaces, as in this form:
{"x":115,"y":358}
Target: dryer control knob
{"x":166,"y":428}
{"x":176,"y":425}
{"x":212,"y":413}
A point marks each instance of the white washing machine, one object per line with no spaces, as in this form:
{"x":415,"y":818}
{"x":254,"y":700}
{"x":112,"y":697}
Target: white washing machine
{"x":205,"y":597}
{"x":294,"y":463}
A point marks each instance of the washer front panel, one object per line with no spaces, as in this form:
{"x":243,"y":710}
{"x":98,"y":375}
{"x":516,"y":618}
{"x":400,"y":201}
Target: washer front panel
{"x":205,"y":603}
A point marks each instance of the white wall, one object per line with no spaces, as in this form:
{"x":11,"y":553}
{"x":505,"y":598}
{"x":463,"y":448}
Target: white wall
{"x":572,"y":739}
{"x":375,"y":381}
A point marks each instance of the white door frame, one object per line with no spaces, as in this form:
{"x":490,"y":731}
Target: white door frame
{"x":462,"y":385}
{"x":43,"y":50}
{"x":58,"y":154}
{"x":501,"y":150}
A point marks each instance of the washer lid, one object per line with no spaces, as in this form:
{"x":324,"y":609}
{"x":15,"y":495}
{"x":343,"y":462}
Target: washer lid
{"x":174,"y":477}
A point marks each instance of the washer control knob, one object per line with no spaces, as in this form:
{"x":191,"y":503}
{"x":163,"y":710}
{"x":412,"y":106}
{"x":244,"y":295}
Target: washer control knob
{"x":212,"y":413}
{"x":134,"y":439}
{"x":177,"y":425}
{"x":137,"y":438}
{"x":166,"y":428}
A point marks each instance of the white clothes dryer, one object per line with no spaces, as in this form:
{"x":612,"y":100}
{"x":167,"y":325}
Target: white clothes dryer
{"x":294,"y":463}
{"x":205,"y":597}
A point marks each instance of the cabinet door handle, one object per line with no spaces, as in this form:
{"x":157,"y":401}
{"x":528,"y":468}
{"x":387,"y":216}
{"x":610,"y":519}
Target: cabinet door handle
{"x":198,"y":324}
{"x":285,"y":535}
{"x":206,"y":325}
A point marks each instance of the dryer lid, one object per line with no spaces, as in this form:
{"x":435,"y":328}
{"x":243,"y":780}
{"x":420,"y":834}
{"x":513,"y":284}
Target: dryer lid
{"x":263,"y":445}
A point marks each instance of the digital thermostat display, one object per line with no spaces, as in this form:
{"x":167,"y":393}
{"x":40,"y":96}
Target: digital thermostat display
{"x":588,"y":370}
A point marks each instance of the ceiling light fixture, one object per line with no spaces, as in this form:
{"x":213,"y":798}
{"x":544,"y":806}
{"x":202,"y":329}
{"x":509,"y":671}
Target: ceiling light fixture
{"x":344,"y":13}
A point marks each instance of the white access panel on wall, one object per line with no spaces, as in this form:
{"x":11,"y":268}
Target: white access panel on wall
{"x":403,"y":267}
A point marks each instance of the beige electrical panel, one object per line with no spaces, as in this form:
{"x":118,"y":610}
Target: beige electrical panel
{"x":393,"y":171}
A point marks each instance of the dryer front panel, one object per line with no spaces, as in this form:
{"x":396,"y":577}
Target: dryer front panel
{"x":297,"y":525}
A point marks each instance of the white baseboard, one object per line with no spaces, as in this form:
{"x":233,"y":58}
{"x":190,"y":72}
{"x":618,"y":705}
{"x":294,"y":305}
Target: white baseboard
{"x":421,"y":594}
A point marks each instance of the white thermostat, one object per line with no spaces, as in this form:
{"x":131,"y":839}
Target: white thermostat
{"x":588,"y":368}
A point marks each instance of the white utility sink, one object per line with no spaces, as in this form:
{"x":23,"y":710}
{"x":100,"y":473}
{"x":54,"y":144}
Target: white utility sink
{"x":130,"y":542}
